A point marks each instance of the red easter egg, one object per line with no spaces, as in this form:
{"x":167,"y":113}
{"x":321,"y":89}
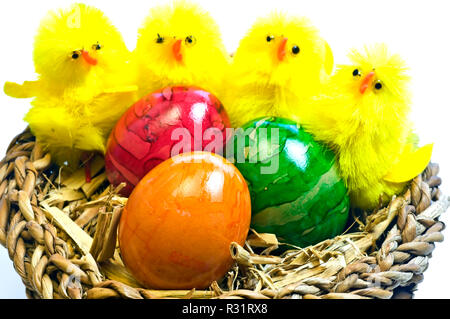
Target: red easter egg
{"x":177,"y":226}
{"x":162,"y":124}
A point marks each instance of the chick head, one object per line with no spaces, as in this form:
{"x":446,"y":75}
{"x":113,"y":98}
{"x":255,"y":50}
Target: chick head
{"x":182,"y":42}
{"x":285,"y":51}
{"x":376,"y":80}
{"x":74,"y":42}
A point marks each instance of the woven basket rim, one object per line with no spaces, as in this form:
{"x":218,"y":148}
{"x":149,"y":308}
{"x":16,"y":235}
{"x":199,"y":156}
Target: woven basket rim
{"x":385,"y":259}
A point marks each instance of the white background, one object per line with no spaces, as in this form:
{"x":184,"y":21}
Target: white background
{"x":418,"y":30}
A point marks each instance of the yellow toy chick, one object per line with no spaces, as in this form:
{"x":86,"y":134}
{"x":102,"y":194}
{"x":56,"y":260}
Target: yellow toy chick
{"x":363,"y":116}
{"x":279,"y":64}
{"x":84,"y":83}
{"x":180,"y":44}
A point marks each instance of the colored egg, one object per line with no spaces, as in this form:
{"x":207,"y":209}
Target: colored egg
{"x":294,"y":183}
{"x":164,"y":123}
{"x":177,"y":226}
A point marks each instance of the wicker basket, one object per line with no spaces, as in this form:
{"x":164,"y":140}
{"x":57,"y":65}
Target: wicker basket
{"x":61,"y":236}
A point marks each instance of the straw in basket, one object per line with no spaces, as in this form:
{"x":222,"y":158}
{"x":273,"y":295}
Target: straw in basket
{"x":60,"y":233}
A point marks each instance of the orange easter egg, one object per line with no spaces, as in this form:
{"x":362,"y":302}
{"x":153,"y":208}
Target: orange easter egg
{"x":179,"y":221}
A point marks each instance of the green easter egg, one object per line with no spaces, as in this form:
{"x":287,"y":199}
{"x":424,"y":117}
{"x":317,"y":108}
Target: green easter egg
{"x":297,"y":193}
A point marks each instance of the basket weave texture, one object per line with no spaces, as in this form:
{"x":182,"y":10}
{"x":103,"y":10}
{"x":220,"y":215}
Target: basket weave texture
{"x":60,"y":235}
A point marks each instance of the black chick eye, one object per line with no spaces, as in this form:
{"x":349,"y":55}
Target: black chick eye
{"x":356,"y":72}
{"x":190,"y":40}
{"x":270,"y":38}
{"x":75,"y":55}
{"x":295,"y":49}
{"x":96,"y":46}
{"x":159,"y":39}
{"x":378,"y":85}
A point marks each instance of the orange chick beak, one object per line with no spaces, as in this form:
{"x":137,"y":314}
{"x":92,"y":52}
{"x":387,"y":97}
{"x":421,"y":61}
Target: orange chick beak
{"x":176,"y":48}
{"x":89,"y":60}
{"x":282,"y":49}
{"x":366,"y":82}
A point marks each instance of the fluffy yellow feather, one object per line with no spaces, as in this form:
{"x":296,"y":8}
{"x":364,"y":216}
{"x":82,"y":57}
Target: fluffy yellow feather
{"x":279,"y":64}
{"x":364,"y":116}
{"x":180,"y":44}
{"x":84,"y":84}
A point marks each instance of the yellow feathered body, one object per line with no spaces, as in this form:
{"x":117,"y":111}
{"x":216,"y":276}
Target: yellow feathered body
{"x":69,"y":125}
{"x":180,"y":44}
{"x":279,"y":64}
{"x":363,"y":115}
{"x":84,"y":85}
